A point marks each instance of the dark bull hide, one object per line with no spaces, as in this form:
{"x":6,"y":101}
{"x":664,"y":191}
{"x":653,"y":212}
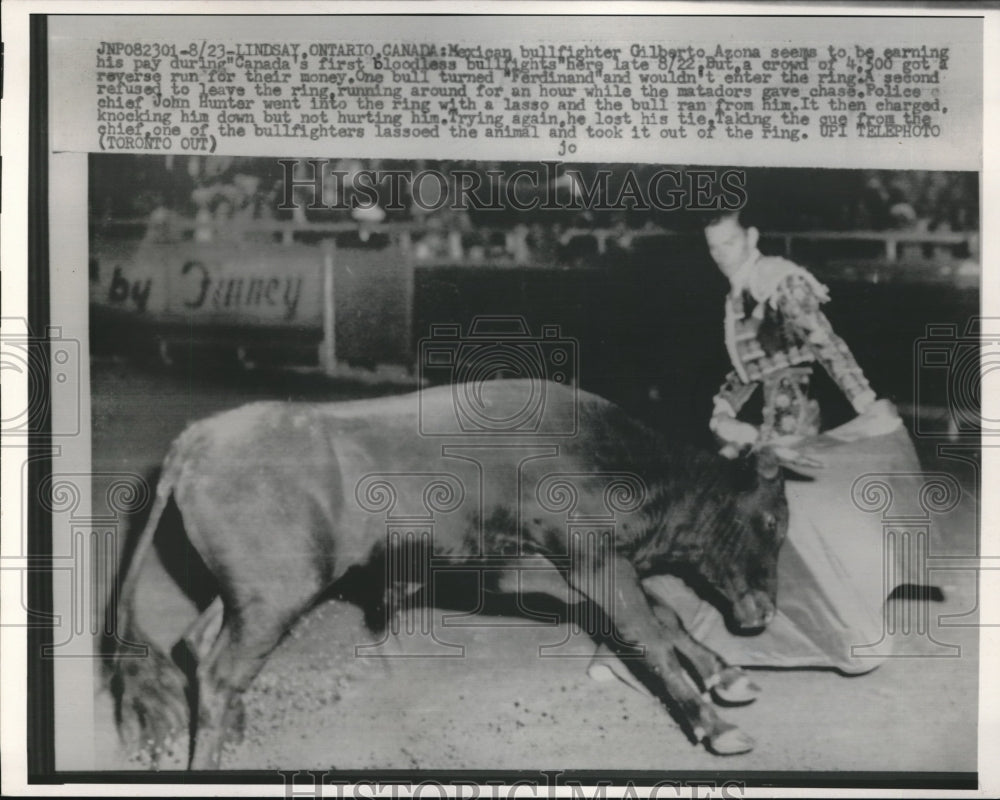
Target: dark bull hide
{"x":281,"y":500}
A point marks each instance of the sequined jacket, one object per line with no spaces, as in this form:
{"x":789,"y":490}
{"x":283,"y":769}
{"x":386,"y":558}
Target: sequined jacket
{"x":775,"y":331}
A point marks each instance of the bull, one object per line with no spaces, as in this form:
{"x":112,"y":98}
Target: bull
{"x":283,"y":500}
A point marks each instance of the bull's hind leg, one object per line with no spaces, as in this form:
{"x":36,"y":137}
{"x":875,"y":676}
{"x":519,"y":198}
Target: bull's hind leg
{"x":194,"y":648}
{"x":247,"y":636}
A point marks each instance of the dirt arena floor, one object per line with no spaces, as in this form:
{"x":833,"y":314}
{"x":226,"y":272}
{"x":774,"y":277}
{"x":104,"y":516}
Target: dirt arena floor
{"x":488,"y":701}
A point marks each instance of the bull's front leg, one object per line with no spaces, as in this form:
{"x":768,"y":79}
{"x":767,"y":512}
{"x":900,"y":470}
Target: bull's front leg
{"x":613,"y":584}
{"x":727,"y":683}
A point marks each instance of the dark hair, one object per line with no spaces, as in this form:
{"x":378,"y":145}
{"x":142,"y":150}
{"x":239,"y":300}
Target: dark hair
{"x":747,"y":217}
{"x":709,"y":218}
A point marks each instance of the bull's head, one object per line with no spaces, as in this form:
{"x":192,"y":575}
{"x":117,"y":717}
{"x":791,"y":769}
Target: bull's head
{"x":746,"y":521}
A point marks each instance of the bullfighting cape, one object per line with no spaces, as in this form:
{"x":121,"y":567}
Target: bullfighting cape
{"x":835,"y":570}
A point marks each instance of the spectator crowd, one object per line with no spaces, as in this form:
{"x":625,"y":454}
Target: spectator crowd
{"x":229,"y":197}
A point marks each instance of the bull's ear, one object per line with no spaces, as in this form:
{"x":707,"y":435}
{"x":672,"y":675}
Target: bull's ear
{"x":768,"y":466}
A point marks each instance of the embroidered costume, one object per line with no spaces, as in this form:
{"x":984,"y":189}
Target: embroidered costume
{"x":774,"y":332}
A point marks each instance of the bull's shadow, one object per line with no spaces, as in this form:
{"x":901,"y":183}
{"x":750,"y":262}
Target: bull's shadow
{"x":467,"y":594}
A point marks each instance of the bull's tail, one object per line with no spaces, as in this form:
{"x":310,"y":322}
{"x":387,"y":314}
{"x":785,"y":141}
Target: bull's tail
{"x":151,"y":706}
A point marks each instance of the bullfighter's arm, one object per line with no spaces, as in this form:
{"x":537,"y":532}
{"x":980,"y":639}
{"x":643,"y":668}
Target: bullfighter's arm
{"x":731,"y":397}
{"x":796,"y":298}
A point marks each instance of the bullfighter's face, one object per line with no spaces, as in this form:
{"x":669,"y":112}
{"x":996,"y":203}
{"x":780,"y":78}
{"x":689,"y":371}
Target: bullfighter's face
{"x":730,"y":244}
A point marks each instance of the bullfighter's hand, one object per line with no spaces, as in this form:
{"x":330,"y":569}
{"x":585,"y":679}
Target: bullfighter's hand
{"x":734,"y":432}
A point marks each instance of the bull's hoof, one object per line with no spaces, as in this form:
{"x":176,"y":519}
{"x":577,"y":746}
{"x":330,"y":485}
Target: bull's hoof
{"x":601,"y":672}
{"x":735,"y":688}
{"x":730,"y":742}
